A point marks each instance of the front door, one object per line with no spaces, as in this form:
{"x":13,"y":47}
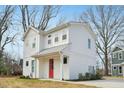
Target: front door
{"x":51,"y":68}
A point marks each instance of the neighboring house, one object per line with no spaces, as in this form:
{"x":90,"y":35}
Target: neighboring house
{"x":60,"y":53}
{"x":118,"y":61}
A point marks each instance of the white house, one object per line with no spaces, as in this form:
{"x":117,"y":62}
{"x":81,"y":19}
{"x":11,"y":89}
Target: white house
{"x":60,"y":53}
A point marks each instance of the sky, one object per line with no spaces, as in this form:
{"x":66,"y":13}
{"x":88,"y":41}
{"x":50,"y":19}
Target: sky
{"x":69,"y":12}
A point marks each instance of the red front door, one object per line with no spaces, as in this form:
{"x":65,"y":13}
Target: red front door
{"x":51,"y":68}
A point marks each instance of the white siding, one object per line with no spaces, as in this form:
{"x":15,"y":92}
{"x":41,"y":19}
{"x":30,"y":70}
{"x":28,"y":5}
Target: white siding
{"x":59,"y":35}
{"x":32,"y":37}
{"x":80,"y":55}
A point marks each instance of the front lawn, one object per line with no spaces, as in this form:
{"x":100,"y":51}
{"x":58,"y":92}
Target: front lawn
{"x":15,"y":82}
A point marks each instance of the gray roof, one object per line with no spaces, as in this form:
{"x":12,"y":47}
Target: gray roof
{"x":51,"y":50}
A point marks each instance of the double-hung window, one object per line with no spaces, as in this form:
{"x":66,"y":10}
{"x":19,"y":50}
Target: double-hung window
{"x":33,"y":64}
{"x":120,"y":56}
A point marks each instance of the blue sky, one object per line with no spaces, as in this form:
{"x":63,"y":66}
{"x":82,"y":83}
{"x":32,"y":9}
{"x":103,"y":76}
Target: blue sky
{"x":69,"y":12}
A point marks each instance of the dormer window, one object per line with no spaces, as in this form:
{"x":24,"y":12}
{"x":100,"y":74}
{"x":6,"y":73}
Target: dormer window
{"x":56,"y":39}
{"x":64,"y":37}
{"x":49,"y":41}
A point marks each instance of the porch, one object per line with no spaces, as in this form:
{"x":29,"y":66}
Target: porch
{"x":50,"y":64}
{"x":118,"y":70}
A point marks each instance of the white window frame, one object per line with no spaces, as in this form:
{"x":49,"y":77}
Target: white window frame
{"x":121,"y":56}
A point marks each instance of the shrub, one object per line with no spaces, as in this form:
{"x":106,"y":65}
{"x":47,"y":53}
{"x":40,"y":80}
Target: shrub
{"x":89,"y":76}
{"x":80,"y":76}
{"x":27,"y":77}
{"x":24,"y":77}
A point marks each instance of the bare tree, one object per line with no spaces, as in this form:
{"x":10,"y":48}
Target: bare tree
{"x":29,"y":18}
{"x":108,"y":23}
{"x":61,"y":21}
{"x":5,"y":23}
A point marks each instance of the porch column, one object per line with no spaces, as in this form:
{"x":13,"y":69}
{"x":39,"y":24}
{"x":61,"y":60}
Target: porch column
{"x":61,"y":66}
{"x":37,"y":68}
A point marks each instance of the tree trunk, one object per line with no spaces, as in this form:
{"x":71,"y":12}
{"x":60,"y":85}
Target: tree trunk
{"x":106,"y":62}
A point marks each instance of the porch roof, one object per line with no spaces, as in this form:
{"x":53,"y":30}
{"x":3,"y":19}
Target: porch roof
{"x":122,"y":63}
{"x":51,"y":50}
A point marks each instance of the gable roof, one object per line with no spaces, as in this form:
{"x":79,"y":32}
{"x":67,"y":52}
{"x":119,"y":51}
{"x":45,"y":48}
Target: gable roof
{"x":58,"y":28}
{"x":117,"y":48}
{"x":29,"y":28}
{"x":68,"y":24}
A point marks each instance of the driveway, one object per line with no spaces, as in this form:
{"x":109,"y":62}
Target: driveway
{"x":107,"y":83}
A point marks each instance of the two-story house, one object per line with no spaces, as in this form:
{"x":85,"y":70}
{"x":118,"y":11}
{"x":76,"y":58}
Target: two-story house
{"x":60,"y":53}
{"x":118,"y":61}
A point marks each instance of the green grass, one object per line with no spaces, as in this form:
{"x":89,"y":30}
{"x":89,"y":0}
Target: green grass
{"x":16,"y":82}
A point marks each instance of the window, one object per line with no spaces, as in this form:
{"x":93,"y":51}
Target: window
{"x":64,"y":37}
{"x":114,"y":55}
{"x":91,"y":69}
{"x":65,"y":60}
{"x":89,"y":43}
{"x":33,"y":45}
{"x":114,"y":67}
{"x":49,"y":41}
{"x":56,"y":39}
{"x":27,"y":63}
{"x":120,"y":69}
{"x":49,"y":36}
{"x":120,"y":56}
{"x":32,"y":66}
